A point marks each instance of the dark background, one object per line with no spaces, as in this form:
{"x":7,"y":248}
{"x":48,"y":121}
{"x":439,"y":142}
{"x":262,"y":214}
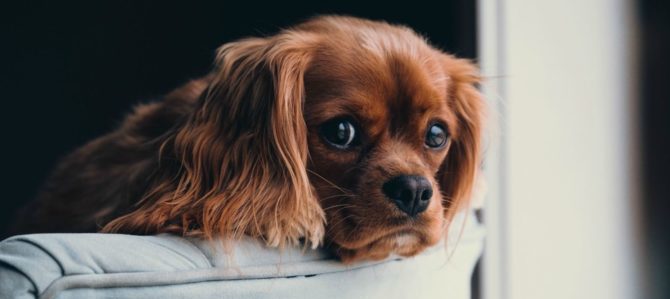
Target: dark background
{"x":654,"y":49}
{"x":70,"y":71}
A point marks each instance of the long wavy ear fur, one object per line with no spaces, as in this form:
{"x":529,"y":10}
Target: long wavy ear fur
{"x":237,"y":164}
{"x":460,"y":168}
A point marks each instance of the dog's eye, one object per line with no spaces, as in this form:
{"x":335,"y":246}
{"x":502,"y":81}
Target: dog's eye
{"x":436,"y":136}
{"x":339,"y":133}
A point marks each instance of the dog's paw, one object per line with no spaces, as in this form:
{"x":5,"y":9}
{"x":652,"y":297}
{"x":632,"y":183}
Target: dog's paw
{"x":306,"y":224}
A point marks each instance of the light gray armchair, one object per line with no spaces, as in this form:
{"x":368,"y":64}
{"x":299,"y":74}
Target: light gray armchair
{"x":166,"y":266}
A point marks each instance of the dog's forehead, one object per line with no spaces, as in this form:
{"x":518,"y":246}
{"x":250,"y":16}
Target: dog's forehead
{"x":398,"y":85}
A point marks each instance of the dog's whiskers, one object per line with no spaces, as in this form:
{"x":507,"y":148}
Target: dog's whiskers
{"x":339,"y":206}
{"x":339,"y":196}
{"x":333,"y":225}
{"x":343,"y":190}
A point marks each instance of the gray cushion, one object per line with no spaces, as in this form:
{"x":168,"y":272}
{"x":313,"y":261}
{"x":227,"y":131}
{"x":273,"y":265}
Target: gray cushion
{"x":167,"y":266}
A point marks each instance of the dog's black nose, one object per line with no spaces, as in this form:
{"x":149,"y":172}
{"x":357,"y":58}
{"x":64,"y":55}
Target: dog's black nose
{"x":409,"y":192}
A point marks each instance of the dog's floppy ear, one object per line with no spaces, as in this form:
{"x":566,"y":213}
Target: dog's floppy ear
{"x":459,"y":171}
{"x":242,"y":152}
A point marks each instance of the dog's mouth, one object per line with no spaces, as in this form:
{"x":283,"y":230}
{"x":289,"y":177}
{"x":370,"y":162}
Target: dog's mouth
{"x":403,"y":243}
{"x":352,"y":238}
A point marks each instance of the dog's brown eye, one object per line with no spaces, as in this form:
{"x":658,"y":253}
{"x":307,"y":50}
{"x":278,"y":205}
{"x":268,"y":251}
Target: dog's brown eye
{"x":436,"y":136}
{"x":339,"y":133}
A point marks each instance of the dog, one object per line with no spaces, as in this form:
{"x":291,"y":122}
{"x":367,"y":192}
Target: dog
{"x":343,"y":132}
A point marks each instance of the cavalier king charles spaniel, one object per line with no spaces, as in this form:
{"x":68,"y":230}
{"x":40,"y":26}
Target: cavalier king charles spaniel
{"x":343,"y":132}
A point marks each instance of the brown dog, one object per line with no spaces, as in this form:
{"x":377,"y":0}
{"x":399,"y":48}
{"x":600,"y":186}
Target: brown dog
{"x":342,"y":131}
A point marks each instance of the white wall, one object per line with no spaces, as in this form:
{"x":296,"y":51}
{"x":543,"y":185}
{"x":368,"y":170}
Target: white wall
{"x":561,"y":215}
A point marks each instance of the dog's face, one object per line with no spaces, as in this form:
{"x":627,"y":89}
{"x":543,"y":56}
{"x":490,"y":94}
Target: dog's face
{"x":381,"y":123}
{"x":344,"y":131}
{"x":378,"y":128}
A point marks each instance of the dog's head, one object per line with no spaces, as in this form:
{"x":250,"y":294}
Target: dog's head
{"x":357,"y":125}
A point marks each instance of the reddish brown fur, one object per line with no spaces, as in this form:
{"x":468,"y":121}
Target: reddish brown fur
{"x":239,"y":152}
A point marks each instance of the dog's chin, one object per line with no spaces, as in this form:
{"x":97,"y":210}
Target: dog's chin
{"x":404,"y":244}
{"x":379,"y":243}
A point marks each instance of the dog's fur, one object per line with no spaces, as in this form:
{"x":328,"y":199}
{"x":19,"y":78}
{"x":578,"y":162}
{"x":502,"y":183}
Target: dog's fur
{"x":239,"y":151}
